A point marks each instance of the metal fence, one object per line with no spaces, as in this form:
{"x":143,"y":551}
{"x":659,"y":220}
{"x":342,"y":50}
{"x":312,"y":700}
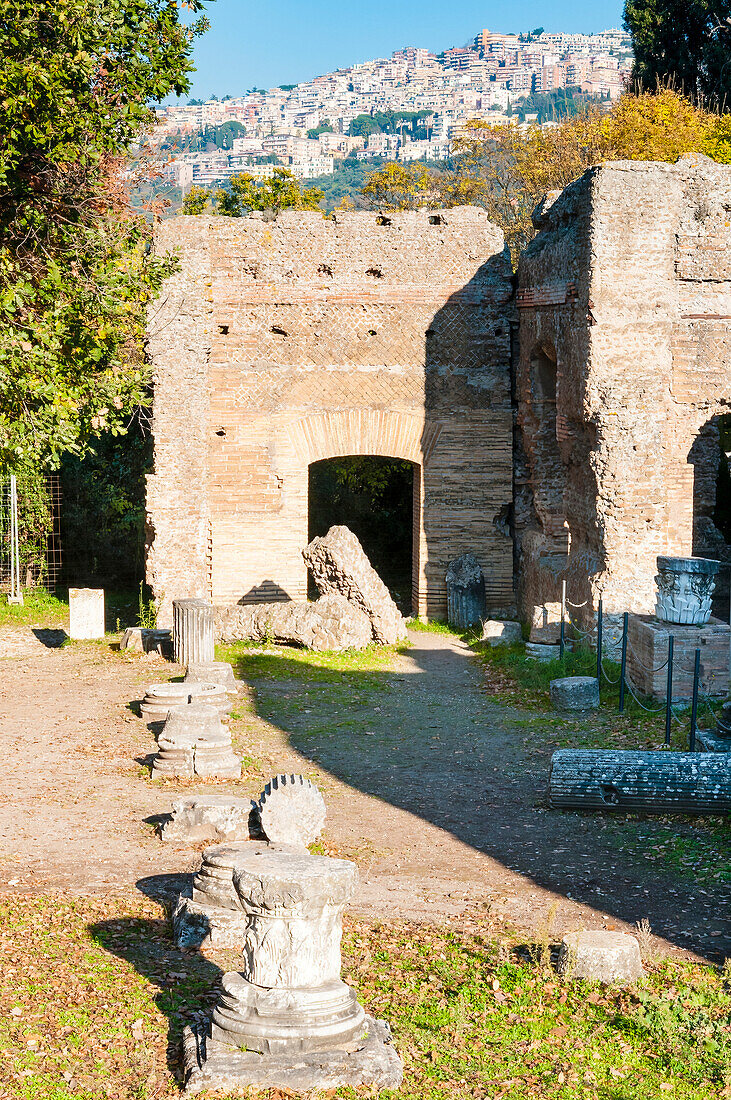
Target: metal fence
{"x":622,"y":679}
{"x":30,"y":534}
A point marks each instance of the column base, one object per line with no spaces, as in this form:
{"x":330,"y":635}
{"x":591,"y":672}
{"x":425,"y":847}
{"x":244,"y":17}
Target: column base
{"x":368,"y":1060}
{"x":274,"y":1021}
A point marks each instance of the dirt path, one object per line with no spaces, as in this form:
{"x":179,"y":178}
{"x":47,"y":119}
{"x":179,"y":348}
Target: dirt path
{"x":427,"y":784}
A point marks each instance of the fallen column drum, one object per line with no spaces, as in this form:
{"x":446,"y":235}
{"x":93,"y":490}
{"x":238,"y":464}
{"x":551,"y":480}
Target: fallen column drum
{"x":648,"y":782}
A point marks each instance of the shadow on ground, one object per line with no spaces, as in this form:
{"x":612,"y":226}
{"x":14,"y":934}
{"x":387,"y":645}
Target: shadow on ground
{"x":428,"y":741}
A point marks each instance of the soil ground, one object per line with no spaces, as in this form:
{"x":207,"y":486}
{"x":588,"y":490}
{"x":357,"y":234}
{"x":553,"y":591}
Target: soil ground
{"x":429,"y":783}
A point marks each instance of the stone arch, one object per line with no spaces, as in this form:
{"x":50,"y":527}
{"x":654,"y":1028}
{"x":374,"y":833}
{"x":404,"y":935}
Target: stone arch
{"x":364,"y":432}
{"x":383,"y":432}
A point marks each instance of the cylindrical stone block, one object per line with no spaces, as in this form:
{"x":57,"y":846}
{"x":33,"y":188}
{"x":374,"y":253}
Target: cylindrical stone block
{"x":575,"y":693}
{"x":648,"y":782}
{"x":193,"y":632}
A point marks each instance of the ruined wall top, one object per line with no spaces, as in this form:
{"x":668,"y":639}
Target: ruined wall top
{"x":423,"y":246}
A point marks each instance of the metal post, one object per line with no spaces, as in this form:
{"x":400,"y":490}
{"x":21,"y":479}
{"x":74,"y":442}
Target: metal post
{"x":563,"y":620}
{"x":625,"y":626}
{"x":694,"y":707}
{"x":669,"y":690}
{"x":599,"y":625}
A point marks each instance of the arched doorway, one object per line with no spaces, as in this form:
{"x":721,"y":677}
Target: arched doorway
{"x":377,"y":498}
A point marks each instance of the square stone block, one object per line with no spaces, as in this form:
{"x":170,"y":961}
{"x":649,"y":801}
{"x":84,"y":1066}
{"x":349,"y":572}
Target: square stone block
{"x":647,"y":650}
{"x":86,"y":613}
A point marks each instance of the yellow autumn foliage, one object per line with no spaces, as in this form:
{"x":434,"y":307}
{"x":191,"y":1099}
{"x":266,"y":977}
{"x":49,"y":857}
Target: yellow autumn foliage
{"x":508,"y":168}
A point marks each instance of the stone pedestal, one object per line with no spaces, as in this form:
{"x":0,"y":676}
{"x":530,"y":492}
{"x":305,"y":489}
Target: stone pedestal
{"x":685,"y":589}
{"x":161,"y":699}
{"x":194,"y":742}
{"x":289,"y":995}
{"x":86,"y":613}
{"x":287,"y":1017}
{"x":213,"y":817}
{"x":647,"y":650}
{"x":213,"y":672}
{"x":193,"y":632}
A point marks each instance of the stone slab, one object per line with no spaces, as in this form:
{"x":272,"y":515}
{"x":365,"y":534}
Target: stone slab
{"x":371,"y":1060}
{"x":575,"y":693}
{"x":611,"y":957}
{"x":86,"y":614}
{"x":495,"y":632}
{"x":647,"y":654}
{"x":217,"y":818}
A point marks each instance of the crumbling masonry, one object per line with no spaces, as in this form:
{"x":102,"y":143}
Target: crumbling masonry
{"x":283,"y":342}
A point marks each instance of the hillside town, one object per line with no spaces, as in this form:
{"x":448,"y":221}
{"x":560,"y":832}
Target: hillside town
{"x":409,"y":107}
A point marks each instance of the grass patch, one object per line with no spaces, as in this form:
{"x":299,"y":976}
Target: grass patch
{"x":39,"y":608}
{"x":696,"y":850}
{"x":251,"y":660}
{"x":95,"y":996}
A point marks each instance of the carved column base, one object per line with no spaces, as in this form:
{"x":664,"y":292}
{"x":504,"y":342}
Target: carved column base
{"x":275,"y":1021}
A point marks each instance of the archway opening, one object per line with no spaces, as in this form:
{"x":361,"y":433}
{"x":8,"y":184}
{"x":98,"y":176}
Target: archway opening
{"x":374,"y":497}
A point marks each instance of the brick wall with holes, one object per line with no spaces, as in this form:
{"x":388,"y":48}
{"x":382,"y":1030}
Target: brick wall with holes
{"x":282,"y":342}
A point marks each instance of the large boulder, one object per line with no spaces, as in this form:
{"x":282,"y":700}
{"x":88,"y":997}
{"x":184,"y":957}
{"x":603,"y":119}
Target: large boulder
{"x":328,"y":623}
{"x":339,"y":565}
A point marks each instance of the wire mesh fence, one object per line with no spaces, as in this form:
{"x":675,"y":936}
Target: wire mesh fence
{"x":30,"y":533}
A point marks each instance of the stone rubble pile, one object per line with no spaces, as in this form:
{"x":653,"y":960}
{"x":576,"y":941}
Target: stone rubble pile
{"x":339,"y":565}
{"x":330,"y":623}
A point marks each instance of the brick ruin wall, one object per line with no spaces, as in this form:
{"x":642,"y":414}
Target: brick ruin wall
{"x":624,"y":368}
{"x":282,"y":342}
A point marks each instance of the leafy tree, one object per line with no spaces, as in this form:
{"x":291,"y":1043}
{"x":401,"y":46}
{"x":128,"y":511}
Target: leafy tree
{"x":196,"y":201}
{"x":323,"y":128}
{"x":363,"y":126}
{"x":507,"y":169}
{"x":280,"y":191}
{"x":401,"y":187}
{"x":76,"y":80}
{"x":683,"y":42}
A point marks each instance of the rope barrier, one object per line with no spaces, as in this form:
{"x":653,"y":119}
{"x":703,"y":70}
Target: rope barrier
{"x":650,"y":710}
{"x":609,"y":678}
{"x":648,"y":668}
{"x":576,"y":605}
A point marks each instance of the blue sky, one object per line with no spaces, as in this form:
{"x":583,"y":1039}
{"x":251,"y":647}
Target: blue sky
{"x":284,"y":41}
